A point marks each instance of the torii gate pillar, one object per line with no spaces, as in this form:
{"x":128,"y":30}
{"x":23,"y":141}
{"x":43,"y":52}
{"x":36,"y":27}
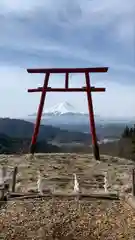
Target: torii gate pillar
{"x":88,"y":89}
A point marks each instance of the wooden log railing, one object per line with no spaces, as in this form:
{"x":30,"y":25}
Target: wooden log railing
{"x":7,"y":182}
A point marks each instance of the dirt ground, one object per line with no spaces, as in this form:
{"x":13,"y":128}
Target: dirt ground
{"x":68,"y":219}
{"x":55,"y":166}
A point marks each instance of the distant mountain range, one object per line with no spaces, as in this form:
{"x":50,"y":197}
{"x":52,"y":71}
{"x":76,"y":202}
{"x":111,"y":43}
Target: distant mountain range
{"x":66,"y":116}
{"x":67,"y":113}
{"x":16,"y":134}
{"x":15,"y":138}
{"x":17,"y":128}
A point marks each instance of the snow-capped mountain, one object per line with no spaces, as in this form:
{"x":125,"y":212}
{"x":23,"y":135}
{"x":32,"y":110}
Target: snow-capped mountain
{"x":66,"y":116}
{"x":63,"y":114}
{"x":61,"y":109}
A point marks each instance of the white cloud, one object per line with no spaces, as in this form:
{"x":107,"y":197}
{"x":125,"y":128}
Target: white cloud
{"x":66,"y":29}
{"x":19,"y":5}
{"x":116,"y":17}
{"x":118,"y":100}
{"x":91,"y":13}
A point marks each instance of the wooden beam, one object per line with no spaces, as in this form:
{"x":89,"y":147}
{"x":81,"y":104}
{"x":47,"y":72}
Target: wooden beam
{"x":14,"y":179}
{"x":104,"y":196}
{"x":68,"y":70}
{"x":133,"y":181}
{"x":49,"y":89}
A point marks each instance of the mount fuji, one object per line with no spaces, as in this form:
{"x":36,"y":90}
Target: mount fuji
{"x":61,"y":109}
{"x":66,"y":116}
{"x":63,"y":113}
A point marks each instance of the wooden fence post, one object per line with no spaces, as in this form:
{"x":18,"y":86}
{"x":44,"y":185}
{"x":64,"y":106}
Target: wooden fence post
{"x":105,"y":182}
{"x":4,"y":172}
{"x":133,"y":181}
{"x":3,"y":177}
{"x":14,"y":179}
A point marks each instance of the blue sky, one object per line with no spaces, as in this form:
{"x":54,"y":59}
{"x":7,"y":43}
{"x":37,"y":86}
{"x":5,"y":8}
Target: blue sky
{"x":67,"y":33}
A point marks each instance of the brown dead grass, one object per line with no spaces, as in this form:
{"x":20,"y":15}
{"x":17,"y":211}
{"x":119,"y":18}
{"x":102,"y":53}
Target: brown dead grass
{"x":51,"y":219}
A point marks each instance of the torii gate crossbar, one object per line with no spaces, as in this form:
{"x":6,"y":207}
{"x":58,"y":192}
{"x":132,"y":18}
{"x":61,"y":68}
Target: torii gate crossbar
{"x":88,"y":89}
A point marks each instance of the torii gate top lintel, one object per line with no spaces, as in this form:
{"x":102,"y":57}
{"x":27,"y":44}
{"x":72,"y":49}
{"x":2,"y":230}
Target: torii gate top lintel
{"x":68,"y":70}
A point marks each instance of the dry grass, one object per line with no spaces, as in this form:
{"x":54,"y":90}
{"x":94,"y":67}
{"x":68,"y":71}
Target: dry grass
{"x":46,"y":220}
{"x":51,"y":219}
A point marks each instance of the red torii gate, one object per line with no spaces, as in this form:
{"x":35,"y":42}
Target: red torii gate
{"x":88,"y":89}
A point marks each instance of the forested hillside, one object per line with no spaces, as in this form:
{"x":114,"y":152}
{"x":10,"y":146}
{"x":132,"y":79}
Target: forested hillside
{"x":22,"y":129}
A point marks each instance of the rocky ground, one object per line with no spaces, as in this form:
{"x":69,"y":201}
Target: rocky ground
{"x":68,"y":219}
{"x":48,"y":220}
